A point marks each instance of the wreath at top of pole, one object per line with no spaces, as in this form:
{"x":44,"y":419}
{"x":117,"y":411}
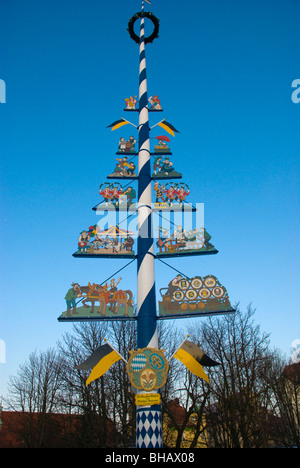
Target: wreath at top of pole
{"x":151,"y":17}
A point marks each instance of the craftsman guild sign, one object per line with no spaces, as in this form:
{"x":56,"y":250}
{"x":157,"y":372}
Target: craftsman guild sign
{"x":96,"y":301}
{"x":194,"y":296}
{"x":147,"y":369}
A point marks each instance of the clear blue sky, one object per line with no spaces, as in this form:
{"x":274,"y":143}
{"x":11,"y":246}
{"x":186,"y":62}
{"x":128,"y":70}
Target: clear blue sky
{"x":223,"y":72}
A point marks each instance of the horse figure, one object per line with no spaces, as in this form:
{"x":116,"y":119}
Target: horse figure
{"x":97,"y":293}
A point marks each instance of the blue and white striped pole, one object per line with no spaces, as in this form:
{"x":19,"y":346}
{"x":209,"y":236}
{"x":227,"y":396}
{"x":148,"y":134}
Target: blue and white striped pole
{"x":148,"y":419}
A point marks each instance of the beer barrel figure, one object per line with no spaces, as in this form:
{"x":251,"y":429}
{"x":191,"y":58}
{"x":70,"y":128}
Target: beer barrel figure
{"x":195,"y":294}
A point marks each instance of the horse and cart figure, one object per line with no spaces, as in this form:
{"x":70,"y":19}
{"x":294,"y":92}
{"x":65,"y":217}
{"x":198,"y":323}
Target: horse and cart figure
{"x":96,"y":299}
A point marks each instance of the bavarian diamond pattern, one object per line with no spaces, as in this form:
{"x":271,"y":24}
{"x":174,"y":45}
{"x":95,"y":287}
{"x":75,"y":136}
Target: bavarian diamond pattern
{"x":138,"y":362}
{"x":148,"y":429}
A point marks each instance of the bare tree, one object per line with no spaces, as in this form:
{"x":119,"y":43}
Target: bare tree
{"x":33,"y":393}
{"x":183,"y":396}
{"x":108,"y":397}
{"x":283,"y":382}
{"x":237,"y":411}
{"x":184,"y":415}
{"x":250,"y":400}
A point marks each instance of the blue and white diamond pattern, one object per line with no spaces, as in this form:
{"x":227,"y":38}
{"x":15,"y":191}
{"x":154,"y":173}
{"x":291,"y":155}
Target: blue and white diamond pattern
{"x":138,"y":362}
{"x":148,"y":429}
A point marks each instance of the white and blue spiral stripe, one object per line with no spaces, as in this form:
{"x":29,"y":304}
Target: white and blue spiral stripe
{"x":148,"y":422}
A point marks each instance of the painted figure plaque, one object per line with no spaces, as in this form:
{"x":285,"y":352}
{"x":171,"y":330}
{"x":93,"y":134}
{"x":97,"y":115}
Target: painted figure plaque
{"x":171,"y":196}
{"x":111,"y":242}
{"x":115,"y":197}
{"x":179,"y":241}
{"x":194,"y":296}
{"x":125,"y":168}
{"x":98,"y":301}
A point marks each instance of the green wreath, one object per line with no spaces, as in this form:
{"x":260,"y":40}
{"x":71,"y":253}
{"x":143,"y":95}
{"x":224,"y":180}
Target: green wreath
{"x":151,"y":17}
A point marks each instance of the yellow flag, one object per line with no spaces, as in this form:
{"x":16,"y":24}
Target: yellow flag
{"x":168,"y":127}
{"x":190,"y":362}
{"x":100,"y":361}
{"x":103,"y":365}
{"x":118,"y":124}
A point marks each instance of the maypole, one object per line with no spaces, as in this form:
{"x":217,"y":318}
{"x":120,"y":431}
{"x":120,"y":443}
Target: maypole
{"x":184,"y":296}
{"x":148,"y":421}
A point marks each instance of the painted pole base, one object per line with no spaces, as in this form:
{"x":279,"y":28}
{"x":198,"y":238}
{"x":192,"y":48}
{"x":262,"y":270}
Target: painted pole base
{"x":149,"y":427}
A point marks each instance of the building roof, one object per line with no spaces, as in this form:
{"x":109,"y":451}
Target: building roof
{"x":292,"y":373}
{"x":177,"y":411}
{"x":59,"y":430}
